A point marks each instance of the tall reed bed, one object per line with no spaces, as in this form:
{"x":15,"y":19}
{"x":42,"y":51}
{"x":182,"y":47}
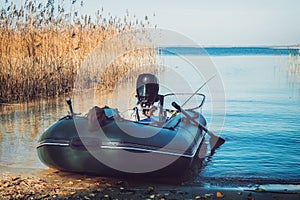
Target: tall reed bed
{"x":43,"y":47}
{"x":129,"y":54}
{"x":294,"y":64}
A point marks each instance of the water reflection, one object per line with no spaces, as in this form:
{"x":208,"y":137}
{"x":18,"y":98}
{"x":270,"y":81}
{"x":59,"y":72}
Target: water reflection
{"x":20,"y":128}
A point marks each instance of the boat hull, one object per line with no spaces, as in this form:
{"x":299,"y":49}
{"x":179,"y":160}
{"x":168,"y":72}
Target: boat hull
{"x":122,"y":148}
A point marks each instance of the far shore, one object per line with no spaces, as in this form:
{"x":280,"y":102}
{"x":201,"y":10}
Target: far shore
{"x":296,"y":46}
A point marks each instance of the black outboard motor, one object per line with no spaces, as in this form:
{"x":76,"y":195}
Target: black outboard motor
{"x":147,"y":90}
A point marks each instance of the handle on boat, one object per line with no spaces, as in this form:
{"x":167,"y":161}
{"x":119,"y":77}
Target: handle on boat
{"x":175,"y":105}
{"x":215,"y":141}
{"x":69,"y":102}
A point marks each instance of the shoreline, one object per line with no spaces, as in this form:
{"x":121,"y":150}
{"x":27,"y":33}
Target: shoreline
{"x":279,"y":46}
{"x":53,"y":184}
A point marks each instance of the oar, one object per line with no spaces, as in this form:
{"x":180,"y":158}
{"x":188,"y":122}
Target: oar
{"x":214,"y":141}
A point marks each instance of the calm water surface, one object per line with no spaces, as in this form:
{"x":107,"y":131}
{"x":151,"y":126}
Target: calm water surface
{"x":262,"y":122}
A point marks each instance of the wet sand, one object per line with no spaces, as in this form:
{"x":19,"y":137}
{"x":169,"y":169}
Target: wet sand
{"x":52,"y":184}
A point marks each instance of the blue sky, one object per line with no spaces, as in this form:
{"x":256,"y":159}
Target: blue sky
{"x":215,"y":22}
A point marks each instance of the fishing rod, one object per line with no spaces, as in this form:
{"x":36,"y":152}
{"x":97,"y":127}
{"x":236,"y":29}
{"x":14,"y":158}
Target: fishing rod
{"x":198,"y":90}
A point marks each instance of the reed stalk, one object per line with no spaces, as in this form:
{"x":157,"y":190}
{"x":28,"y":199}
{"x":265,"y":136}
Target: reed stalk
{"x":43,"y":47}
{"x":294,"y":64}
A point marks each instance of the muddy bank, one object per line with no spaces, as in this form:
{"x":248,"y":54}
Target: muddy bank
{"x":51,"y":184}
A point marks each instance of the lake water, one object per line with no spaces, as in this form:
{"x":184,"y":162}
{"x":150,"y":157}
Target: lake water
{"x":261,"y":127}
{"x":262,"y":121}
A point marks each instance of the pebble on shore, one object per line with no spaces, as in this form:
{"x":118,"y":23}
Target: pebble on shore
{"x":61,"y":185}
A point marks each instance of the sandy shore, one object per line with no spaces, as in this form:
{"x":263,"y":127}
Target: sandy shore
{"x":51,"y":184}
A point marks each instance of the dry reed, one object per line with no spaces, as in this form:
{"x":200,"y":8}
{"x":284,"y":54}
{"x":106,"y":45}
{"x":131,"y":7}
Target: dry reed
{"x":294,"y":64}
{"x":43,"y":46}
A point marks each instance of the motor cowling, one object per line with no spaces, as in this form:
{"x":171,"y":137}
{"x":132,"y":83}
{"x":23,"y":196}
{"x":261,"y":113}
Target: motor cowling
{"x":147,"y":90}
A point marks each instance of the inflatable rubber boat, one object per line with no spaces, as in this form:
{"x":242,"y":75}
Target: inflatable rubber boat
{"x":102,"y":142}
